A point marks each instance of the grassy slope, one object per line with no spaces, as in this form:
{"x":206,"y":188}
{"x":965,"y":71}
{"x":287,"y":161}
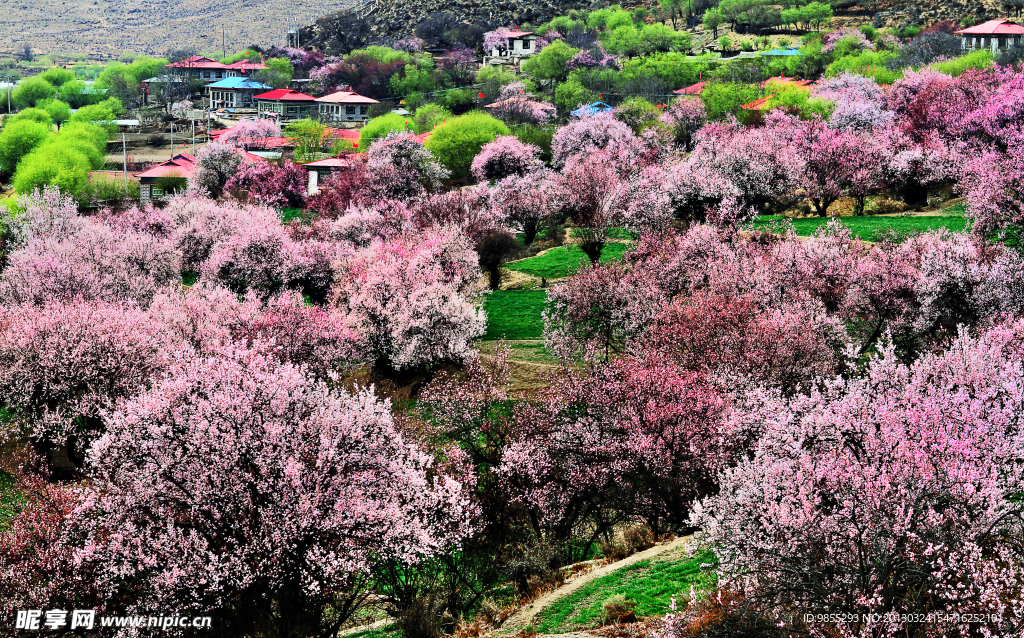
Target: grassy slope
{"x":650,"y":584}
{"x":867,"y":228}
{"x":564,"y":260}
{"x":514,"y":314}
{"x":9,"y":498}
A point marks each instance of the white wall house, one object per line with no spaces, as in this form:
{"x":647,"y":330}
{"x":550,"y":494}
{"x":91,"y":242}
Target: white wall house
{"x":520,"y":45}
{"x":994,"y":36}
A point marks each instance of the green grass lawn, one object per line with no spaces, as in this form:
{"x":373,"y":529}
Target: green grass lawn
{"x":868,"y":228}
{"x":388,"y":631}
{"x":9,"y":499}
{"x":649,"y":584}
{"x":515,"y":314}
{"x":564,"y":260}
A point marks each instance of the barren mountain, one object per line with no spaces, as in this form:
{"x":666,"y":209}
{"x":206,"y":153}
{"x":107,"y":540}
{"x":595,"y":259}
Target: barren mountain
{"x":108,"y":27}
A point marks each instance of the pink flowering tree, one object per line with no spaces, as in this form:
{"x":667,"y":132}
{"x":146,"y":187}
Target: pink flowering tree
{"x":599,"y":312}
{"x":588,"y":191}
{"x":881,"y":499}
{"x":62,"y":364}
{"x":217,"y":162}
{"x":399,"y":167}
{"x":409,"y":300}
{"x":93,"y":263}
{"x":684,"y":117}
{"x":858,"y":103}
{"x":252,"y":134}
{"x":521,"y":202}
{"x":252,"y":259}
{"x":199,"y":223}
{"x":290,"y":492}
{"x":270,"y":184}
{"x":596,"y":132}
{"x":496,"y":39}
{"x":591,"y":58}
{"x":503,"y":157}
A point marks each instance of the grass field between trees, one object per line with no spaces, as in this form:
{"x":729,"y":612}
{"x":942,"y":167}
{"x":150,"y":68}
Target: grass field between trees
{"x":649,"y":584}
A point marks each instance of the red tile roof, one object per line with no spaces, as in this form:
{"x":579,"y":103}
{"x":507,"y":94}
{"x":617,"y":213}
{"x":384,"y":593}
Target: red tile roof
{"x":247,"y":65}
{"x":285,"y":95}
{"x":693,"y":89}
{"x":994,"y":27}
{"x":757,"y":104}
{"x":784,"y":80}
{"x":519,"y":34}
{"x":346,"y":97}
{"x":197,"y":62}
{"x":181,"y":165}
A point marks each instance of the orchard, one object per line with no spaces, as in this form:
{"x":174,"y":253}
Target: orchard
{"x":300,"y":427}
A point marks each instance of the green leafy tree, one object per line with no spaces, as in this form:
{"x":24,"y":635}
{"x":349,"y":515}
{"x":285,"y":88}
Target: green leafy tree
{"x":33,"y":115}
{"x":571,"y":94}
{"x":816,"y":14}
{"x":713,"y":19}
{"x":550,"y":63}
{"x":101,"y":114}
{"x":58,"y":111}
{"x":310,"y":138}
{"x":428,"y":116}
{"x":624,"y":40}
{"x":658,"y":38}
{"x":457,"y":142}
{"x":674,"y":8}
{"x":379,"y":127}
{"x":723,"y":98}
{"x":60,"y":165}
{"x":278,"y":74}
{"x":57,"y":76}
{"x":637,"y":113}
{"x":31,"y":91}
{"x":675,"y":69}
{"x":18,"y":139}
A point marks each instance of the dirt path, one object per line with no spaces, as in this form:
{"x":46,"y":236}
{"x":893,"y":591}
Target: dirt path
{"x":528,"y":614}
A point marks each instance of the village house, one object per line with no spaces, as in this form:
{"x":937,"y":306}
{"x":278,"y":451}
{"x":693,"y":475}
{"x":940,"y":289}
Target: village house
{"x":285,"y":104}
{"x":244,"y":67}
{"x":994,"y":35}
{"x":520,"y":45}
{"x":236,"y":92}
{"x":345,"y":106}
{"x":153,"y":181}
{"x":320,"y":169}
{"x":200,"y":67}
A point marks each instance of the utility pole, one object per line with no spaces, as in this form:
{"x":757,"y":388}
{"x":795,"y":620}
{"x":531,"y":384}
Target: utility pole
{"x":124,"y":158}
{"x":223,"y":41}
{"x":172,"y":141}
{"x":193,"y":135}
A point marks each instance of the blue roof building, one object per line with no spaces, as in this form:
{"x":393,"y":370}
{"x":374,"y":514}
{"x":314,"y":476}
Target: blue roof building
{"x":784,"y":52}
{"x":592,"y":109}
{"x":234,"y":93}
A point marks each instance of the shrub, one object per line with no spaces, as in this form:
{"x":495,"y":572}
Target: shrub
{"x":457,"y":142}
{"x":429,"y":116}
{"x":379,"y":127}
{"x":617,"y":609}
{"x":637,"y":113}
{"x":18,"y":139}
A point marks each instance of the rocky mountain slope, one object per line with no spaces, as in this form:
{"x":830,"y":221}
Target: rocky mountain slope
{"x":105,"y":28}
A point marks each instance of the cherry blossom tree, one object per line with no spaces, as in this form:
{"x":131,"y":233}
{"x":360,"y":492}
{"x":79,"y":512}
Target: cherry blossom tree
{"x":252,"y":134}
{"x":521,"y":202}
{"x":288,"y":492}
{"x":216,"y":163}
{"x":270,"y":184}
{"x":684,"y":117}
{"x":409,"y":299}
{"x":397,"y":166}
{"x":882,"y":499}
{"x":503,"y":157}
{"x":64,"y":363}
{"x":596,"y":132}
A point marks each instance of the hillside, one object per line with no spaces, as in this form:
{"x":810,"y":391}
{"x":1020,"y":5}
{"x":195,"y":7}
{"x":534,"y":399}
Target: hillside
{"x":104,"y":28}
{"x":383,"y":20}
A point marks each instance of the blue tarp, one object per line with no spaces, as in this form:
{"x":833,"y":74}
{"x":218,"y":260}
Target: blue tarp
{"x":591,"y":109}
{"x":786,"y":51}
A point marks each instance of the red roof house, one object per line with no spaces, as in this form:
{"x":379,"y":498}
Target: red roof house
{"x":285,"y":104}
{"x":200,"y":66}
{"x":346,"y":106}
{"x":995,"y":35}
{"x":244,"y":67}
{"x":693,"y":89}
{"x":181,"y":165}
{"x":520,"y":44}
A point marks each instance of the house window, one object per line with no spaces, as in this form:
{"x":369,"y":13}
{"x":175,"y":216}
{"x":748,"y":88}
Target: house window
{"x":206,"y":74}
{"x":350,"y":110}
{"x":363,"y":110}
{"x":157,"y":191}
{"x":526,"y":44}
